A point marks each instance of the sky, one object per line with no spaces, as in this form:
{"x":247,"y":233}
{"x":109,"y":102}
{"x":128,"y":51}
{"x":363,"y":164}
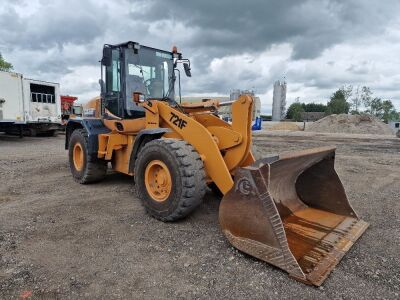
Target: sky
{"x":316,"y":46}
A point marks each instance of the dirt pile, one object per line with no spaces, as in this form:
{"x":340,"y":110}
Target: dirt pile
{"x":286,"y":126}
{"x":358,"y":124}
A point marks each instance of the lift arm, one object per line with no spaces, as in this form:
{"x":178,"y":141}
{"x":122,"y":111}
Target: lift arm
{"x":205,"y":133}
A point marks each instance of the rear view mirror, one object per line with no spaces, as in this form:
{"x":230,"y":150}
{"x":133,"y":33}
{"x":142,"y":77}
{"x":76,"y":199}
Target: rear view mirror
{"x":138,"y":97}
{"x":187,"y":70}
{"x":107,"y":56}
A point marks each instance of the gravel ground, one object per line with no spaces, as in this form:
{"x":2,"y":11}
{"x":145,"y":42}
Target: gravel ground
{"x":59,"y":239}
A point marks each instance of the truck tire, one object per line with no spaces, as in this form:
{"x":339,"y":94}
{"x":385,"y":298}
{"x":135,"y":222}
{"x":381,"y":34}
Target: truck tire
{"x":50,"y":133}
{"x":32,"y":132}
{"x":169,"y":179}
{"x":85,"y":167}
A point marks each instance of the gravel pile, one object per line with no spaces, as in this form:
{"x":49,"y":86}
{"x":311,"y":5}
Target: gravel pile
{"x":358,"y":124}
{"x":286,"y":126}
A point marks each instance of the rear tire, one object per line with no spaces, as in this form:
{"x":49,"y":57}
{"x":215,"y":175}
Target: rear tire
{"x":32,"y":132}
{"x":85,"y":167}
{"x":51,"y":133}
{"x":185,"y":172}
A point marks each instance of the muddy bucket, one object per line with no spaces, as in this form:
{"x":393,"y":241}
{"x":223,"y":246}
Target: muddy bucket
{"x":292,"y":211}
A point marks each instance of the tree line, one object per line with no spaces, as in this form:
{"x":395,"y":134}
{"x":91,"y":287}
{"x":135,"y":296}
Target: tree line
{"x":4,"y":65}
{"x":359,"y":100}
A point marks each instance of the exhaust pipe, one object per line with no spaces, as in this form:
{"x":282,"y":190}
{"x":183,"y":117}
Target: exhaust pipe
{"x":292,"y":212}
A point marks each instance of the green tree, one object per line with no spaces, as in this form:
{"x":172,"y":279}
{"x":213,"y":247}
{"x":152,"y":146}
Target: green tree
{"x":4,"y":65}
{"x":389,"y":112}
{"x":266,"y":117}
{"x":356,"y":101}
{"x":314,"y":107}
{"x":347,"y":91}
{"x":366,"y":96}
{"x":294,"y":111}
{"x":376,"y":107}
{"x":338,"y":104}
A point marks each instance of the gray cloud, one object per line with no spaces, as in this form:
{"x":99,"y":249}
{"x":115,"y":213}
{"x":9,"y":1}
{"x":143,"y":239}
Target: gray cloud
{"x":231,"y":43}
{"x":52,"y":24}
{"x":229,"y":27}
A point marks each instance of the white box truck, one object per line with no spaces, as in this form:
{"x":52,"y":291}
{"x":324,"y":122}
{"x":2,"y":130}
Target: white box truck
{"x":28,"y":106}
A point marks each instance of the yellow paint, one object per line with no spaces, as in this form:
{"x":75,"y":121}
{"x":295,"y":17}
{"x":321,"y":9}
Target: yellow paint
{"x":93,"y":105}
{"x":223,"y":147}
{"x":77,"y":155}
{"x":152,"y":116}
{"x":201,"y":139}
{"x":158,"y":180}
{"x":242,"y":110}
{"x":121,"y":157}
{"x":110,"y":142}
{"x":129,"y":126}
{"x":210,"y":120}
{"x":248,"y":160}
{"x":226,"y":138}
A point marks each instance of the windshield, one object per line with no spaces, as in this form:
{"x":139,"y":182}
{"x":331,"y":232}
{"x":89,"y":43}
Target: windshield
{"x":149,"y":72}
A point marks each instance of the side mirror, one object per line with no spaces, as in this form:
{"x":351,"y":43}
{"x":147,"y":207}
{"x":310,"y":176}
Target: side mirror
{"x":187,"y":70}
{"x":107,"y":56}
{"x":137,"y":97}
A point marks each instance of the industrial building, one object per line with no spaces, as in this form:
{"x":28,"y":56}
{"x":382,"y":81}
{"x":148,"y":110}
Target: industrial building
{"x":279,"y":101}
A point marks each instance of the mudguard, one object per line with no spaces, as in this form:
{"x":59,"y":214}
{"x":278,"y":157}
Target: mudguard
{"x":93,"y":127}
{"x":144,"y":136}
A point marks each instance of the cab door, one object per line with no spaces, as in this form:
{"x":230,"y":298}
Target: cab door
{"x":112,"y":91}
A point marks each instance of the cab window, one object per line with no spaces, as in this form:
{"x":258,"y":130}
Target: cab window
{"x":113,"y":73}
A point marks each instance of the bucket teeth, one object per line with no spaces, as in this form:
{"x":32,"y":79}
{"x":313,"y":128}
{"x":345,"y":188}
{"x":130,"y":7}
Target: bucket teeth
{"x":292,"y":211}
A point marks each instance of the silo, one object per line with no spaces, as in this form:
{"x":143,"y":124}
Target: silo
{"x":279,"y":101}
{"x":235,"y":94}
{"x":257,"y":107}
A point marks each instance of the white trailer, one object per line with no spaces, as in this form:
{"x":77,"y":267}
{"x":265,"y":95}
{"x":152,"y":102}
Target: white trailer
{"x":28,"y":106}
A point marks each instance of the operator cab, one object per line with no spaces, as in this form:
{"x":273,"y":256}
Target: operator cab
{"x":130,"y":68}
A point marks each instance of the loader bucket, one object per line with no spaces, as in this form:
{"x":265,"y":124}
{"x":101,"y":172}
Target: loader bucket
{"x":292,"y":211}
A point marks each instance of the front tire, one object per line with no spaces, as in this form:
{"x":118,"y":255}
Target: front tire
{"x":169,"y":179}
{"x":85,"y":167}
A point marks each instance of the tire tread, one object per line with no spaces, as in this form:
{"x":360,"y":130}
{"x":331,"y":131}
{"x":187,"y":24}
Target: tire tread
{"x":96,"y":169}
{"x":192,"y":172}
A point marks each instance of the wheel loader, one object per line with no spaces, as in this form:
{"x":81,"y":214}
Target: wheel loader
{"x":289,"y":210}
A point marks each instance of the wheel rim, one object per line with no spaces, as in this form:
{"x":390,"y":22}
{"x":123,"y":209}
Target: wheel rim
{"x":78,"y":157}
{"x":158,"y":180}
